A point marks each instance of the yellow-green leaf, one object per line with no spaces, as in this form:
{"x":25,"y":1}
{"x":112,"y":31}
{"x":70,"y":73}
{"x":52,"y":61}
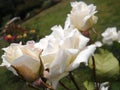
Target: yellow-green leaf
{"x":89,"y":85}
{"x":106,"y":64}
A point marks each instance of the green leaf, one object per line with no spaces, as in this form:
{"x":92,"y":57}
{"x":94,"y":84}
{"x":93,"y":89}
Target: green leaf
{"x":115,"y":49}
{"x":89,"y":85}
{"x":115,"y":86}
{"x":106,"y":64}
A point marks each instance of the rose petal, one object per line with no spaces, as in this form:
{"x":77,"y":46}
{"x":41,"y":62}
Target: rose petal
{"x":82,"y":57}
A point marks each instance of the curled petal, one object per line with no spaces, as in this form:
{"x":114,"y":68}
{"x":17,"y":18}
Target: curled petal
{"x":5,"y":61}
{"x":27,"y":67}
{"x":83,"y":56}
{"x":67,"y":23}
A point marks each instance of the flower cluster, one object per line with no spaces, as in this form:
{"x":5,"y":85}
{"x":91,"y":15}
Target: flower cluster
{"x":15,"y":33}
{"x":61,"y":52}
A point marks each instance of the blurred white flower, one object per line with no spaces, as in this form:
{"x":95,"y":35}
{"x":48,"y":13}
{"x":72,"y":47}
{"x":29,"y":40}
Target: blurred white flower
{"x":82,"y":15}
{"x":22,"y":60}
{"x":110,"y":35}
{"x":104,"y":86}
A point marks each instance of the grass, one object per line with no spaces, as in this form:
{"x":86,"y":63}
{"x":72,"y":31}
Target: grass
{"x":109,"y":16}
{"x":50,"y":17}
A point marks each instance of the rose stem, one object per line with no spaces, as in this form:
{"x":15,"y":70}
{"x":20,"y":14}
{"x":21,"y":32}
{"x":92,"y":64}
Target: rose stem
{"x":94,"y":72}
{"x":73,"y":80}
{"x":63,"y":85}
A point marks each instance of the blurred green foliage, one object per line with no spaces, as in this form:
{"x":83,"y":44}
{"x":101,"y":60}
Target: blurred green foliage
{"x":108,"y":16}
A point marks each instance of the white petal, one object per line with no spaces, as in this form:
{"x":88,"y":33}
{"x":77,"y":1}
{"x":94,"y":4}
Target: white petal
{"x":42,"y":44}
{"x":108,"y":42}
{"x":67,"y":23}
{"x":61,"y":62}
{"x":57,"y":31}
{"x":82,"y":57}
{"x":8,"y":65}
{"x":110,"y":35}
{"x":98,"y":44}
{"x":13,"y":70}
{"x":83,"y":41}
{"x":78,"y":4}
{"x":5,"y":62}
{"x":48,"y":58}
{"x":104,"y":86}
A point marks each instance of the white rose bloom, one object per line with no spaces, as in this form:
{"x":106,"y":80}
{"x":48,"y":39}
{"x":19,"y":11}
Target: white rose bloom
{"x":110,"y":35}
{"x":22,"y":60}
{"x":60,"y":39}
{"x":63,"y":51}
{"x":82,"y":15}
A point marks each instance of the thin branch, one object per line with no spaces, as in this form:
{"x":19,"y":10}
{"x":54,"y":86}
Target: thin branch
{"x":73,"y":80}
{"x":94,"y":73}
{"x":63,"y":85}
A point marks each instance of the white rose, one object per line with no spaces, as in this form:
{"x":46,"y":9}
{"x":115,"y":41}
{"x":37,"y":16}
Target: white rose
{"x":63,"y":51}
{"x":22,"y":61}
{"x":82,"y":15}
{"x":110,"y":35}
{"x":60,"y":39}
